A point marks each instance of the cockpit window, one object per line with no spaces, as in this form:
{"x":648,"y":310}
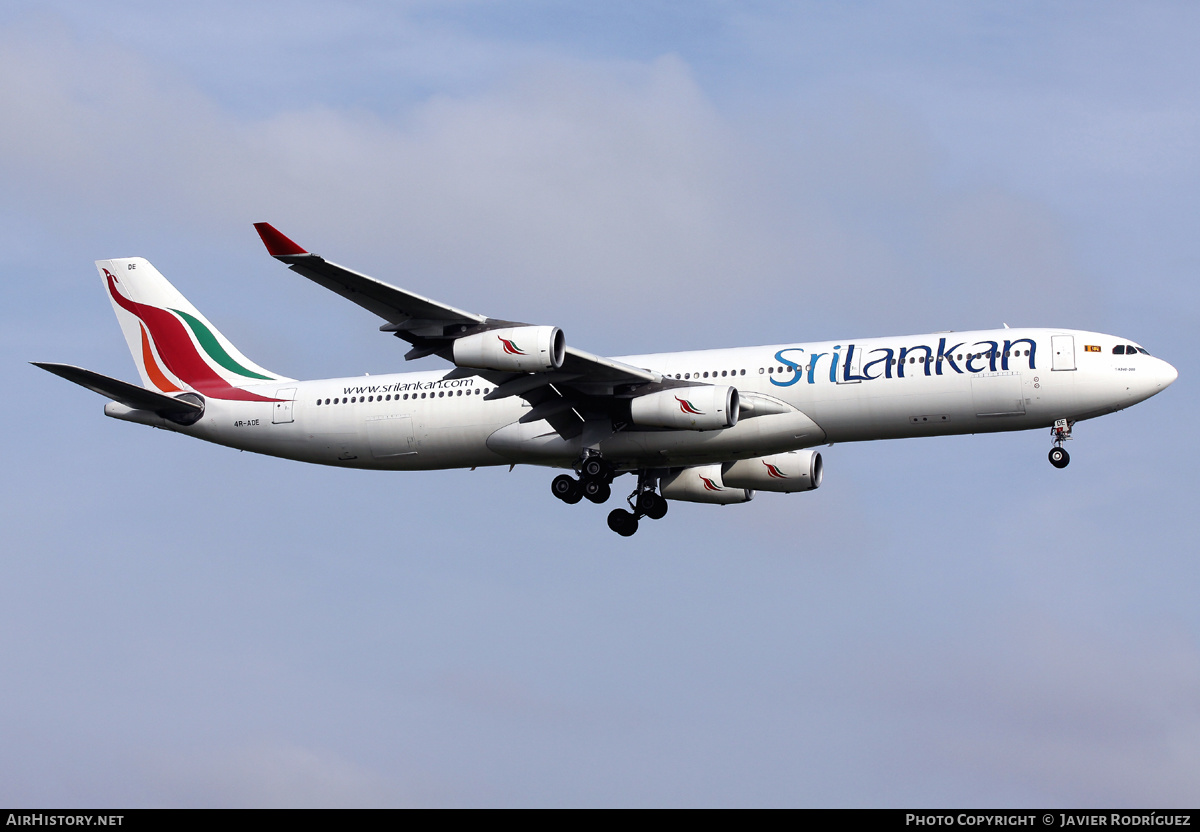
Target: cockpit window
{"x":1142,"y":351}
{"x":1119,"y":349}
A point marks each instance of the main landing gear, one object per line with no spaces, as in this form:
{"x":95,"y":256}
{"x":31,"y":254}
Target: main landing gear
{"x":1061,"y":432}
{"x":595,"y":483}
{"x":595,"y":478}
{"x":644,"y":501}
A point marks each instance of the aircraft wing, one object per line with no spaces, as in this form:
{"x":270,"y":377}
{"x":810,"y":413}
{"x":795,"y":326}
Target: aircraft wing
{"x":396,"y":306}
{"x":598,"y":369}
{"x":431,"y":327}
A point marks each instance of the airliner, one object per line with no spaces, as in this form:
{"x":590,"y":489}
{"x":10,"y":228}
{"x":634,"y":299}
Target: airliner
{"x":709,"y":426}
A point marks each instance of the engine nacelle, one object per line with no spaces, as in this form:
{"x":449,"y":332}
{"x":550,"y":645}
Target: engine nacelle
{"x":518,"y":349}
{"x":702,"y":484}
{"x":687,"y":408}
{"x":786,"y":473}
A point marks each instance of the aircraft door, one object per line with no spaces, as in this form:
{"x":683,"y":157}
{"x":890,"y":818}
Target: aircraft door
{"x":998,"y":394}
{"x":391,"y":435}
{"x":850,"y":369}
{"x":281,"y":414}
{"x":1063,"y":347}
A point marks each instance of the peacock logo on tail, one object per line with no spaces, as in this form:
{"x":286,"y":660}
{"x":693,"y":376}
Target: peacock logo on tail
{"x":165,"y":333}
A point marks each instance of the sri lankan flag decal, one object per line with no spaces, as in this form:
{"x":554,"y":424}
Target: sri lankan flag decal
{"x":1091,"y":348}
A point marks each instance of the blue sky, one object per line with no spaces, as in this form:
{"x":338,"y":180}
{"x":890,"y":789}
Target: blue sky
{"x":945,"y":622}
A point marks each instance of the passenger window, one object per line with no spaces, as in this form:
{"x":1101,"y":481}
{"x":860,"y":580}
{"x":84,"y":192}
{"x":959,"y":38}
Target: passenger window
{"x":743,"y":372}
{"x":770,"y":369}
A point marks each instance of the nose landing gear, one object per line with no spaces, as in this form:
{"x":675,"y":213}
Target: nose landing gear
{"x":1061,"y":432}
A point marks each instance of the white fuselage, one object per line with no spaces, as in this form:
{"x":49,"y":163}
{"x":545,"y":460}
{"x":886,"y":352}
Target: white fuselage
{"x":815,"y":393}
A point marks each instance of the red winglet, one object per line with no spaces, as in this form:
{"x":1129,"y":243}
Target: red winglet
{"x":276,"y":243}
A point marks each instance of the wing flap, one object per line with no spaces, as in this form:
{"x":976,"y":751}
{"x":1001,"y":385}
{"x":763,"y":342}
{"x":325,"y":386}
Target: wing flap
{"x":596,"y":368}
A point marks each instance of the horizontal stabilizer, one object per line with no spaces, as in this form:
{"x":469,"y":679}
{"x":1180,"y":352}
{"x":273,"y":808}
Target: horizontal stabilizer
{"x":127,"y":394}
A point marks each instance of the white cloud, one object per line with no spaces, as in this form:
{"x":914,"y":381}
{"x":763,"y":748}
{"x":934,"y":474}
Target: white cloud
{"x":615,"y":186}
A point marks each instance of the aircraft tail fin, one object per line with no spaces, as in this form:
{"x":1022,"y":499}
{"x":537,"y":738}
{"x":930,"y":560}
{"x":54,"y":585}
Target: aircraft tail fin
{"x":174,"y":346}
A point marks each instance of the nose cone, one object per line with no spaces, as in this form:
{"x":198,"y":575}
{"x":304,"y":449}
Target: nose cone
{"x":1165,"y":374}
{"x":1153,"y":375}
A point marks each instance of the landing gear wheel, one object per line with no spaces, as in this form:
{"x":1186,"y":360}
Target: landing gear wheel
{"x":622,"y":522}
{"x":1059,"y":457}
{"x":595,"y":468}
{"x":567,"y":489}
{"x":596,"y":491}
{"x":651,"y":505}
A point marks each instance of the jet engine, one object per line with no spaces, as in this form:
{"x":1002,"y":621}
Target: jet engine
{"x":702,"y":484}
{"x":520,"y":349}
{"x":687,"y":408}
{"x":786,"y":473}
